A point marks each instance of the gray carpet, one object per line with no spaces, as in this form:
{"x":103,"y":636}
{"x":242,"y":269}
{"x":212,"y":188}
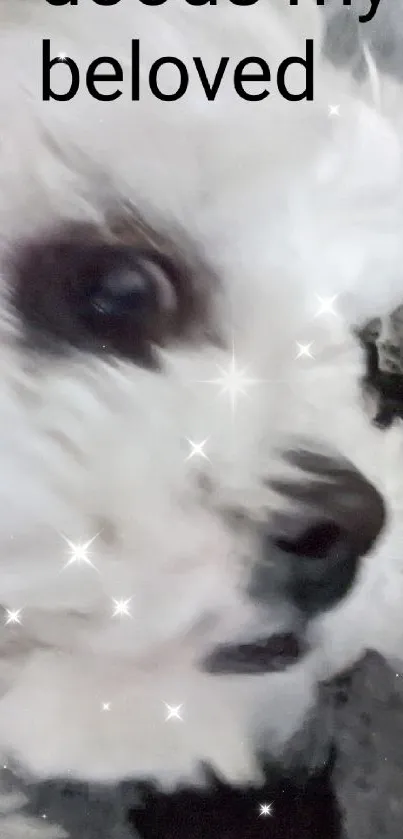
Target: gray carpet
{"x":346,"y":36}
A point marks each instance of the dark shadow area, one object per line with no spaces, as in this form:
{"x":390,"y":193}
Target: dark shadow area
{"x":300,"y":810}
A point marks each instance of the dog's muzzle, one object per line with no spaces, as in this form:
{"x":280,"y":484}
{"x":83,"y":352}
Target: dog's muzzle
{"x":309,"y":559}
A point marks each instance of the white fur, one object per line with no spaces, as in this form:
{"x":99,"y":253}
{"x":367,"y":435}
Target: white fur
{"x":285,"y":203}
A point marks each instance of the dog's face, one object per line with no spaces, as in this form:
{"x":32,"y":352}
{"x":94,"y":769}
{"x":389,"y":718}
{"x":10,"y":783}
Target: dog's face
{"x":175,"y":400}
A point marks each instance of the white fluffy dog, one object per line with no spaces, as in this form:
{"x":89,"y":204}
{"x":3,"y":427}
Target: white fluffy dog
{"x":157,"y":258}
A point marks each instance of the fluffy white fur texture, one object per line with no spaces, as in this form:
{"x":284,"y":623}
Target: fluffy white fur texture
{"x":285,"y":203}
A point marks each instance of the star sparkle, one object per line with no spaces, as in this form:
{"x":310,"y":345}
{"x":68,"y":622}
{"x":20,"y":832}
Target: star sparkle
{"x":266,"y":809}
{"x":334,"y":110}
{"x":122,"y":608}
{"x":62,"y":56}
{"x":233,"y":381}
{"x":197,"y":449}
{"x":304,"y":350}
{"x":326,"y":305}
{"x":13,"y":616}
{"x":173,"y":712}
{"x":80,"y":552}
{"x":106,"y":706}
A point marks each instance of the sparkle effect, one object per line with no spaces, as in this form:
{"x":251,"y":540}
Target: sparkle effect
{"x":304,"y":350}
{"x":326,"y":305}
{"x":266,"y":809}
{"x":233,"y":381}
{"x":334,"y":110}
{"x":106,"y":706}
{"x":62,"y":56}
{"x":79,"y":552}
{"x":197,"y":449}
{"x":173,"y":712}
{"x":13,"y":616}
{"x":122,"y":608}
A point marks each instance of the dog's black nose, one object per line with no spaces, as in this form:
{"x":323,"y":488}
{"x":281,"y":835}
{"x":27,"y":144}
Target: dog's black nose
{"x":309,"y":559}
{"x":321,"y":565}
{"x":337,"y":516}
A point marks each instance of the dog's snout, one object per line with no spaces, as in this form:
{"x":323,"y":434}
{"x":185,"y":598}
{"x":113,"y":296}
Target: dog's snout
{"x":337,"y":516}
{"x":309,"y":561}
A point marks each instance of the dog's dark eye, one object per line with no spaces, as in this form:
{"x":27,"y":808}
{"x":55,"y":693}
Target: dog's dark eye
{"x":78,"y":290}
{"x":136,"y":284}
